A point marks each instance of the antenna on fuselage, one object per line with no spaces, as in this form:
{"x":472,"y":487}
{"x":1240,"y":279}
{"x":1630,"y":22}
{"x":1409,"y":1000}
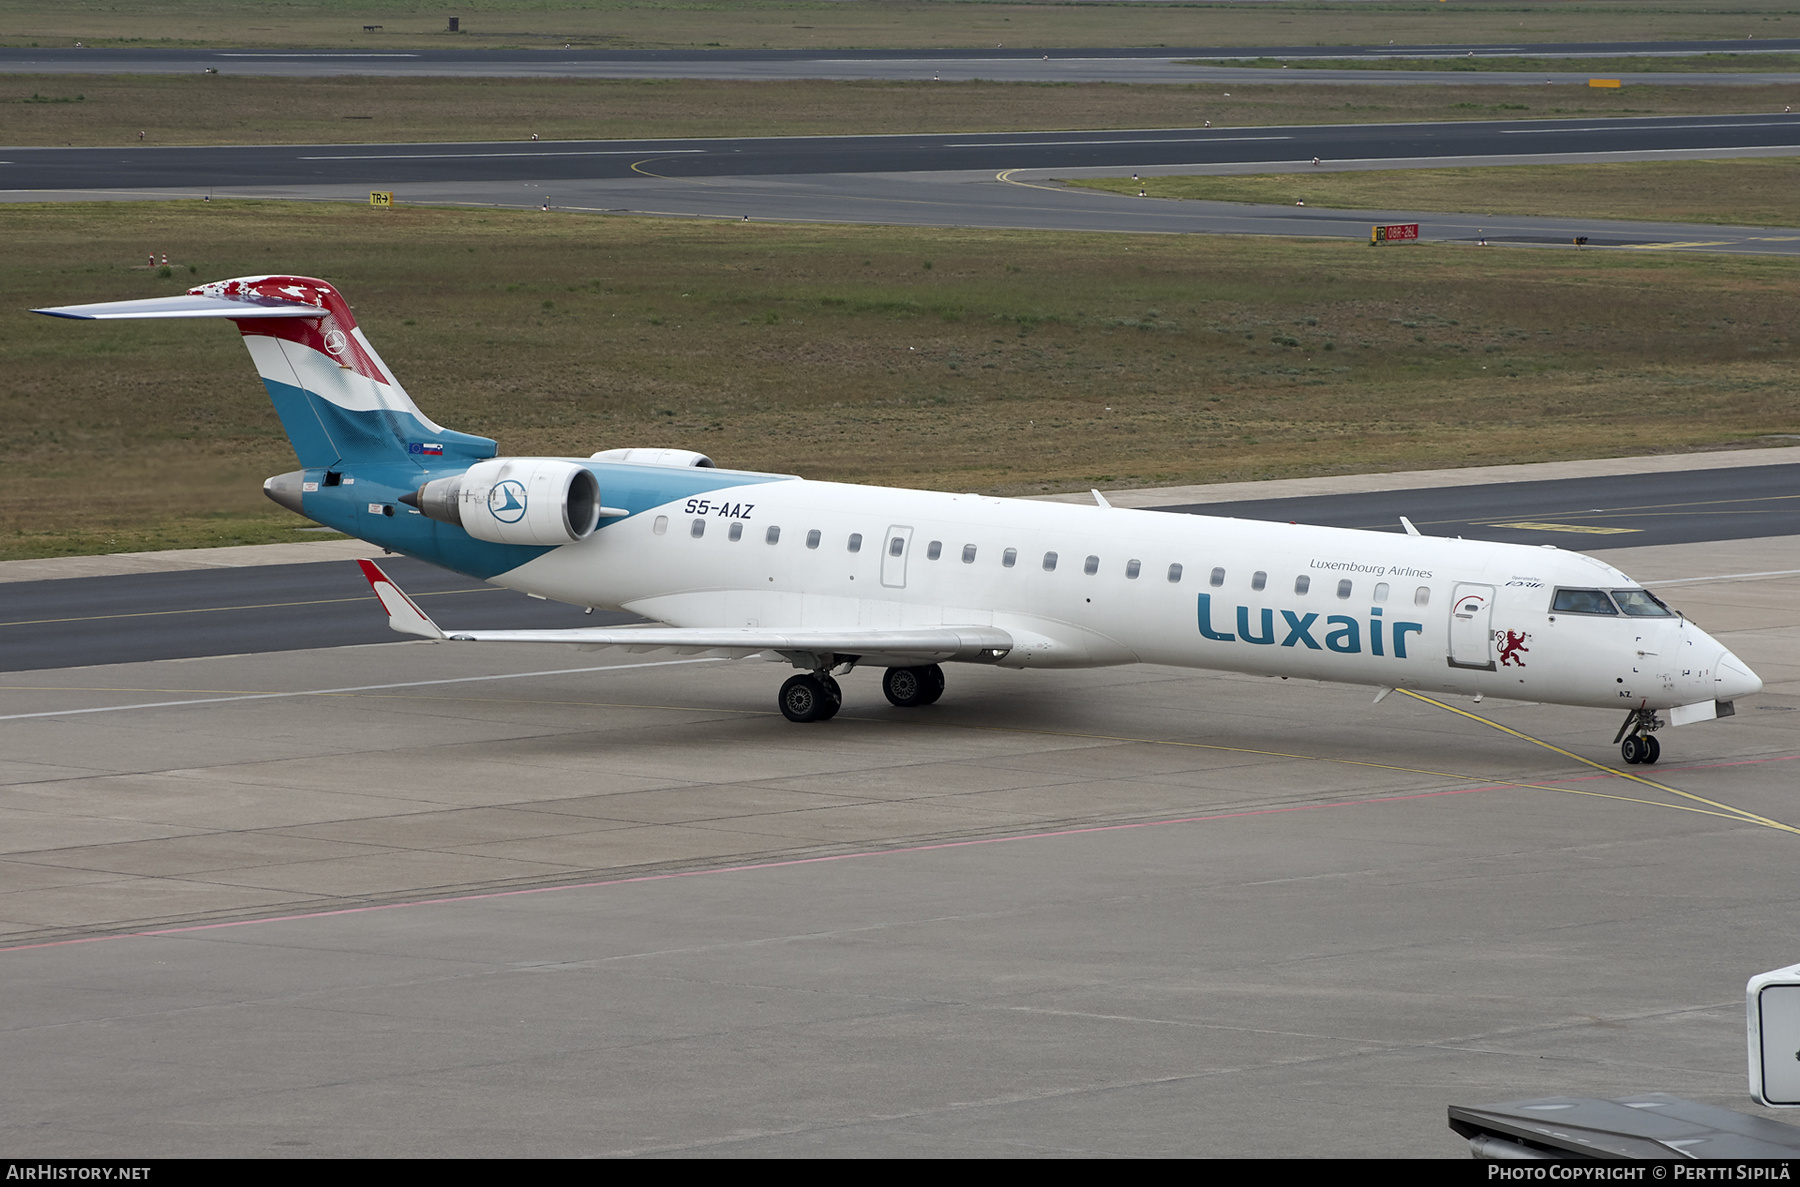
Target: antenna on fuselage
{"x":1408,"y":525}
{"x":1099,"y":499}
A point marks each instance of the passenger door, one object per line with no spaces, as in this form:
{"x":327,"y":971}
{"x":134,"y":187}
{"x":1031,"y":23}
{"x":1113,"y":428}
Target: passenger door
{"x":1471,"y":627}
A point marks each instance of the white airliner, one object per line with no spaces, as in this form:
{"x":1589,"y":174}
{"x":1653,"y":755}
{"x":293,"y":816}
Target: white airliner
{"x":829,"y":577}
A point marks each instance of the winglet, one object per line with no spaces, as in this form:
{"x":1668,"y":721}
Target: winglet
{"x":1408,"y":525}
{"x":403,"y":615}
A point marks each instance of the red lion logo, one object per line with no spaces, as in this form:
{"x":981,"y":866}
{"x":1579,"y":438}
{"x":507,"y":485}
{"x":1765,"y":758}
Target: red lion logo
{"x":1510,"y":647}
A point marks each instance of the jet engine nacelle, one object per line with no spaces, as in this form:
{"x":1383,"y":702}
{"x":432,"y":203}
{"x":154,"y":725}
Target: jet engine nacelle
{"x":516,"y":500}
{"x":640,"y":456}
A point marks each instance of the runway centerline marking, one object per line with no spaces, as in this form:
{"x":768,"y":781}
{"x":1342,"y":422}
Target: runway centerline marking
{"x":525,"y":155}
{"x":1658,"y":128}
{"x":1147,"y":140}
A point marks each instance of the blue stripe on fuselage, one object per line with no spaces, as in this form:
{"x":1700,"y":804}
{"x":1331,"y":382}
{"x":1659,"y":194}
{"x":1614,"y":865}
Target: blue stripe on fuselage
{"x":635,"y":489}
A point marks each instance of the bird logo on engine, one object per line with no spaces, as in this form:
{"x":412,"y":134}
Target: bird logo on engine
{"x":506,"y":502}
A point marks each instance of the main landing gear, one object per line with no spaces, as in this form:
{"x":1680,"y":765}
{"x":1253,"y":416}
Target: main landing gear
{"x":811,"y":697}
{"x":908,"y":688}
{"x":815,"y":696}
{"x":1637,"y":739}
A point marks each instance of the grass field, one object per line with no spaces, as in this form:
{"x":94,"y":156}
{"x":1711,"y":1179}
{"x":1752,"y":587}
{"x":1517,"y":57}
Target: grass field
{"x":1756,"y":192}
{"x":875,"y":23}
{"x":210,"y":109}
{"x":1011,"y":362}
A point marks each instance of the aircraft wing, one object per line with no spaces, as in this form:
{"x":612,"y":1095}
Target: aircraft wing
{"x":977,"y":644}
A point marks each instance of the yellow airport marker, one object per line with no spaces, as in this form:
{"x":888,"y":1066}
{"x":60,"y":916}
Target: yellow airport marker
{"x":1530,"y":526}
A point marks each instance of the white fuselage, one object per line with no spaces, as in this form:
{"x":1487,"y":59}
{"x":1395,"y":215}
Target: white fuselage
{"x":1130,"y":586}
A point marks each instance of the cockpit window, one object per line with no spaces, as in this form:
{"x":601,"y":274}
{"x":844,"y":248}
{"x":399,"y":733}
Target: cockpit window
{"x":1582,"y":601}
{"x":1641,"y":603}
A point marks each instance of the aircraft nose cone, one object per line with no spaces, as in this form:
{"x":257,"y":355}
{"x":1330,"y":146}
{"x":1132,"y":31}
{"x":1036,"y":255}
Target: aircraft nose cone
{"x":1733,"y":678}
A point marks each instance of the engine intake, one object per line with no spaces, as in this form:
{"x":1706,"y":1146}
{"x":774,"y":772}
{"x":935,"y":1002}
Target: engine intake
{"x":516,"y":501}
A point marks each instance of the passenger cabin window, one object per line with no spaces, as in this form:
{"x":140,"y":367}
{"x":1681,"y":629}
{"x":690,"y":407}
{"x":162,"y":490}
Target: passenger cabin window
{"x":812,"y":538}
{"x":1132,"y":569}
{"x":698,"y":530}
{"x":1091,"y":565}
{"x":773,"y":535}
{"x":661,"y":525}
{"x":1302,"y":584}
{"x":896,"y":546}
{"x":968,"y":554}
{"x":1174,"y":574}
{"x":855,"y":544}
{"x":934,"y":550}
{"x":736,"y":533}
{"x":1582,"y":601}
{"x":1641,"y":603}
{"x":1422,"y":596}
{"x":1258,"y":580}
{"x":1344,"y":588}
{"x":1049,"y":562}
{"x":1217,"y":579}
{"x":1381,"y":591}
{"x":1009,"y":558}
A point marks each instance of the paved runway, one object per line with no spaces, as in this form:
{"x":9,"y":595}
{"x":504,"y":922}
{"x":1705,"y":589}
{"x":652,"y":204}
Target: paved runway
{"x":1581,"y":514}
{"x":225,"y":611}
{"x":401,"y":165}
{"x":1140,"y":911}
{"x":999,"y":64}
{"x":716,"y":179}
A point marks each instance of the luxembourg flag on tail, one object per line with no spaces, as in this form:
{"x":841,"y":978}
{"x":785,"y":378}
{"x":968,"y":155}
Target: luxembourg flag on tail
{"x":339,"y":403}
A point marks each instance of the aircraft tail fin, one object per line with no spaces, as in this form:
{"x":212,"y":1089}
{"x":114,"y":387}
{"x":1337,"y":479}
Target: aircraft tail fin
{"x":339,"y":403}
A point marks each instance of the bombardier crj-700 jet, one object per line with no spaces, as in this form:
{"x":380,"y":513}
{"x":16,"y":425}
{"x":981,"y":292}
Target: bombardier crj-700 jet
{"x":829,"y":577}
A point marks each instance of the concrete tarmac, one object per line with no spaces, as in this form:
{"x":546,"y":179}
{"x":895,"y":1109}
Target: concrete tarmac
{"x":413,"y":899}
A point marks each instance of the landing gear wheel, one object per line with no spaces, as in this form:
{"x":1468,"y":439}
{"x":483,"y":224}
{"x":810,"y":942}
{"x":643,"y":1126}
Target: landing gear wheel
{"x":1652,"y":749}
{"x":1634,"y":749}
{"x":934,"y":683}
{"x":807,"y":698}
{"x":908,"y":688}
{"x":903,"y":688}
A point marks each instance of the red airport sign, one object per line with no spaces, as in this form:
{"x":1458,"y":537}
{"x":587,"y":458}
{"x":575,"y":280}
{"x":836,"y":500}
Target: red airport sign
{"x":1393,"y":234}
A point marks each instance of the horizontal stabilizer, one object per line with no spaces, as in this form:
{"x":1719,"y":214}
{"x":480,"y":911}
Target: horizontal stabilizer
{"x":976,"y":644}
{"x":187,"y":305}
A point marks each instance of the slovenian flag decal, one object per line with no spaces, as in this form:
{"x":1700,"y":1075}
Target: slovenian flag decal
{"x":428,"y":448}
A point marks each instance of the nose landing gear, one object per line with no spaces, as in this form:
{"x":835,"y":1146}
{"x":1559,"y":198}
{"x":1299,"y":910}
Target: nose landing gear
{"x":1636,"y":738}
